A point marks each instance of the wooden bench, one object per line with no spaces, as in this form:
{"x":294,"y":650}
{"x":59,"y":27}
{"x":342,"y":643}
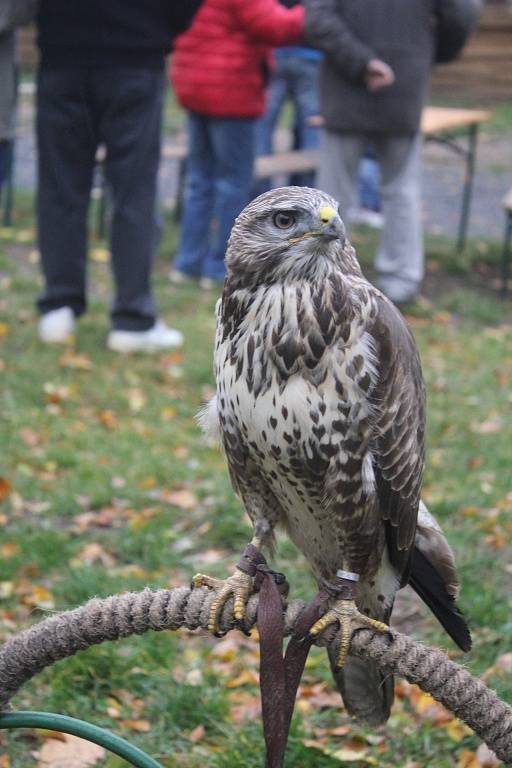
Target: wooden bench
{"x":292,"y":161}
{"x":441,"y":124}
{"x":507,"y":253}
{"x":456,"y":129}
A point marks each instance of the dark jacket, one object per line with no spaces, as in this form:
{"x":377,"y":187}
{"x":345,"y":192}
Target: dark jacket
{"x":98,"y":33}
{"x":220,"y":66}
{"x":403,"y":33}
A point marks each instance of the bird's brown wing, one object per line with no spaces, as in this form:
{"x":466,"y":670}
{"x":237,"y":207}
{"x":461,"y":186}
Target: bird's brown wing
{"x":399,"y":447}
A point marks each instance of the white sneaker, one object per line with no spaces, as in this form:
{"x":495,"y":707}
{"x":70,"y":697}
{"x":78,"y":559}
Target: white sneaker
{"x":209,"y":284}
{"x":156,"y":339}
{"x":57,"y":326}
{"x":179,"y":278}
{"x":372,"y":219}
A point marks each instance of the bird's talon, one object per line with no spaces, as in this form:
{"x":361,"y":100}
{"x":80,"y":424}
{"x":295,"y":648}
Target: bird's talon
{"x":346,"y":613}
{"x":239,"y":586}
{"x":243,"y":626}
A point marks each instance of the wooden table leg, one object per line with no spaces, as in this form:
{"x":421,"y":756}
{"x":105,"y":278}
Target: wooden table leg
{"x":505,"y":261}
{"x":470,"y":156}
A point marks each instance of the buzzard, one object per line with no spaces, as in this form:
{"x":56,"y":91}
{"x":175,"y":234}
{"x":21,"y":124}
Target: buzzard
{"x":320,"y":407}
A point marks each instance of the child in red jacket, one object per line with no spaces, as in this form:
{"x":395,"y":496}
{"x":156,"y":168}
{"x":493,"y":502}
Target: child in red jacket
{"x":219,"y":72}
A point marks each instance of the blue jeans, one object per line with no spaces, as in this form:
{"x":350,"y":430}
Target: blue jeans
{"x":294,"y":78}
{"x":217,"y":187}
{"x":369,"y":183}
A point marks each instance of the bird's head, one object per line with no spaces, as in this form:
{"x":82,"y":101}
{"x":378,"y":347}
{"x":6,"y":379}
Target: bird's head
{"x":289,"y":234}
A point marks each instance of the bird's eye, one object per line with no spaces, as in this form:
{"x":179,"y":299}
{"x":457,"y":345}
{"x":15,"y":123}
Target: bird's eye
{"x":284,"y":220}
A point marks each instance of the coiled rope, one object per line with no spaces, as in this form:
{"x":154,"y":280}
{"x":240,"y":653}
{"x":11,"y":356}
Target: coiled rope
{"x":134,"y":613}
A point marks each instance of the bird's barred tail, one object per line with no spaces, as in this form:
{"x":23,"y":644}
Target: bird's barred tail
{"x":366,"y":692}
{"x":427,"y":581}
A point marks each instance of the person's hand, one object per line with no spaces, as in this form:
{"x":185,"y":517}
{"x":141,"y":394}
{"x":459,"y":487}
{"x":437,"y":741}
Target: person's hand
{"x":378,"y":75}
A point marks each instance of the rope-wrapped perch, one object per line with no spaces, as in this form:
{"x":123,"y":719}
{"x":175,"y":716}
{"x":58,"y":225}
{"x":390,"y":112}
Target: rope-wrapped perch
{"x":134,"y":613}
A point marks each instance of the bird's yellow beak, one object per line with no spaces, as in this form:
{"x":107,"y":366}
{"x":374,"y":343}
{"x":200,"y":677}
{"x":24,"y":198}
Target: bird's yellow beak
{"x":331,"y":225}
{"x":327,"y":214}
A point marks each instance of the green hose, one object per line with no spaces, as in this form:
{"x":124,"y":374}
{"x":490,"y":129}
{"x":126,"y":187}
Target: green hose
{"x":65,"y":724}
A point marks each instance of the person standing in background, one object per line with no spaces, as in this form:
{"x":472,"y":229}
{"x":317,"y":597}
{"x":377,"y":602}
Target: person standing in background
{"x":294,"y":78}
{"x":12,"y":14}
{"x":374,"y":82}
{"x":101,"y":81}
{"x":219,"y":71}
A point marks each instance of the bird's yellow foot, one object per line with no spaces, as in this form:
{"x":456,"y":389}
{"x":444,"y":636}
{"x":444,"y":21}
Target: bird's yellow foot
{"x":239,"y":586}
{"x":346,"y":614}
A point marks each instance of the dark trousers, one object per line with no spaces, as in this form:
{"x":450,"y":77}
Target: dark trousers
{"x":78,"y":109}
{"x":5,"y":149}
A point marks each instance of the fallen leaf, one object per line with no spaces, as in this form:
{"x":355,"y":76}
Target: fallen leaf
{"x":134,"y":704}
{"x":6,"y":590}
{"x":30,"y":438}
{"x":113,"y":708}
{"x":497,"y":540}
{"x":194,"y":677}
{"x":106,"y":517}
{"x":486,"y":758}
{"x":5,"y":488}
{"x":93,"y":553}
{"x":140,"y":519}
{"x":428,"y":708}
{"x":183,"y":499}
{"x":502,"y":666}
{"x":197,"y":734}
{"x":75,"y":361}
{"x":244,"y":706}
{"x":246,"y":677}
{"x":147,"y":482}
{"x":107,"y":419}
{"x":9,"y":549}
{"x":4,"y":330}
{"x":136,"y":399}
{"x":39,"y":597}
{"x":347,"y":755}
{"x":44,"y":733}
{"x":320,"y":696}
{"x":457,"y":730}
{"x":468,"y":759}
{"x":209,"y":556}
{"x":489,"y":427}
{"x":174,"y":358}
{"x":339,"y":730}
{"x":71,"y":752}
{"x":471,"y":511}
{"x":143,"y":726}
{"x":55,"y":394}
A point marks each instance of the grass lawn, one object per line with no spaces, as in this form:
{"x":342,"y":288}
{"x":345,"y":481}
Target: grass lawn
{"x":108,"y":485}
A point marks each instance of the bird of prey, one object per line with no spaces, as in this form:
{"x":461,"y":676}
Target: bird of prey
{"x":320,"y":408}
